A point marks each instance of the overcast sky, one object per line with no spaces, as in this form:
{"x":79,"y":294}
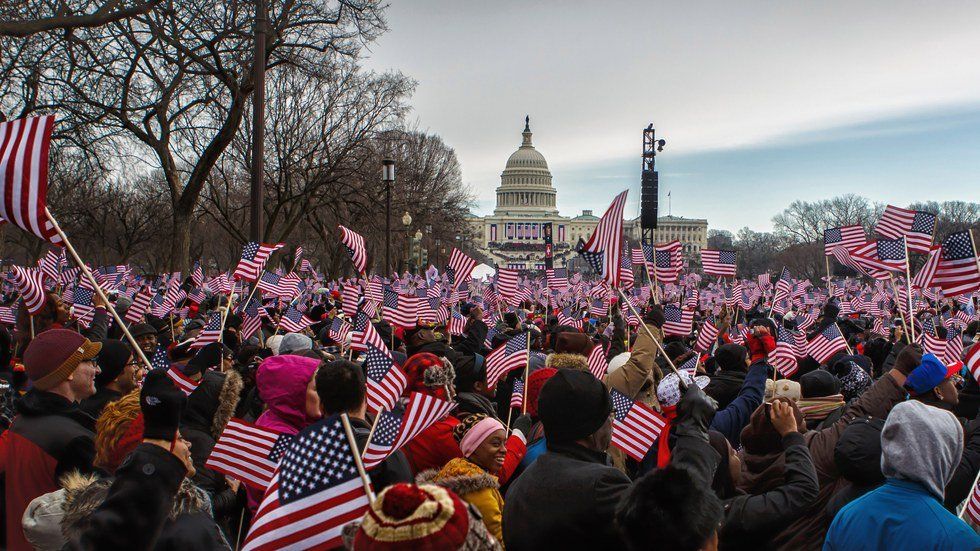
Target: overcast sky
{"x":761,"y":102}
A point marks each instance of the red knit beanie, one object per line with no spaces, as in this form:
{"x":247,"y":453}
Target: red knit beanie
{"x":534,"y":383}
{"x":405,"y":516}
{"x":426,"y":373}
{"x":55,"y":354}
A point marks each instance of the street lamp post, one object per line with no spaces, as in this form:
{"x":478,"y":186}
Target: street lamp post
{"x":388,"y":177}
{"x":418,"y":251}
{"x":407,"y":222}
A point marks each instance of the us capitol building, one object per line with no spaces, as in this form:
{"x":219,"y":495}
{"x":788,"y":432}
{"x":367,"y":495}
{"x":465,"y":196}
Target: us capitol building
{"x":526,"y":199}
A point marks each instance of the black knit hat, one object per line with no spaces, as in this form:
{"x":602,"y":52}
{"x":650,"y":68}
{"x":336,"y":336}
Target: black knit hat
{"x":162,"y":405}
{"x":819,"y":383}
{"x":858,"y":451}
{"x":573,"y":404}
{"x":112,"y":361}
{"x":731,"y":357}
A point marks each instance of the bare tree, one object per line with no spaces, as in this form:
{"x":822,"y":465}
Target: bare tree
{"x":21,"y":18}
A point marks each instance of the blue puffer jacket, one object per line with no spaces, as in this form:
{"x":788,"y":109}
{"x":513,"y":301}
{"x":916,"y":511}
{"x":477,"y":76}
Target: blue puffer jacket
{"x":731,"y":420}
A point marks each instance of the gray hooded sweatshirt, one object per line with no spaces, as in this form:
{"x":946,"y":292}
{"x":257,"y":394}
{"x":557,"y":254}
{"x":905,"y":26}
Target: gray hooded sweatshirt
{"x":921,"y":444}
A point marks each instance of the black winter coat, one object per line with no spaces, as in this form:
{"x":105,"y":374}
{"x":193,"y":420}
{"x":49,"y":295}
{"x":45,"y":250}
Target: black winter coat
{"x":566,"y":499}
{"x":725,"y":386}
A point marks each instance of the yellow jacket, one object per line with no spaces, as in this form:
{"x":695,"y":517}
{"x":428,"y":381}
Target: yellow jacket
{"x":474,"y":486}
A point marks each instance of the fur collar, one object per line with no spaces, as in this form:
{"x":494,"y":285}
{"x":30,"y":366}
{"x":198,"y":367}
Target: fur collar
{"x":460,"y":476}
{"x":231,"y":392}
{"x":84,"y":493}
{"x":567,"y":361}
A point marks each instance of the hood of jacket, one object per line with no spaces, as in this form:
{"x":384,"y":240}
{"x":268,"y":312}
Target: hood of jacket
{"x":213,"y":402}
{"x":37,"y":403}
{"x":54,"y":517}
{"x":922,"y":444}
{"x":460,"y":476}
{"x":471,"y":402}
{"x":282,"y":382}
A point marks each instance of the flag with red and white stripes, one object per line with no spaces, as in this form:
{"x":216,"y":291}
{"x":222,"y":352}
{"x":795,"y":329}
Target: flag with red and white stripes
{"x":254,"y":257}
{"x":393,"y":429}
{"x":183,"y":383}
{"x":679,"y":321}
{"x":783,"y":357}
{"x":603,"y":249}
{"x":598,"y":365}
{"x":29,"y":284}
{"x":517,"y":394}
{"x":24,"y":146}
{"x":385,"y":380}
{"x":211,"y":332}
{"x":506,"y":357}
{"x":668,"y":260}
{"x":706,"y":337}
{"x":507,"y":283}
{"x":956,"y":271}
{"x":829,"y":342}
{"x":718,"y":262}
{"x":973,"y":505}
{"x":636,"y":427}
{"x":313,"y":495}
{"x":248,"y":452}
{"x":459,"y":268}
{"x":972,"y":360}
{"x":354,"y":243}
{"x":916,"y":226}
{"x":844,"y":236}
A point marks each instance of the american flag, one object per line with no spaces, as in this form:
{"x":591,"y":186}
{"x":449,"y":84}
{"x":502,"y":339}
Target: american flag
{"x":826,"y":344}
{"x":635,"y":426}
{"x":889,"y":254}
{"x":273,"y":285}
{"x":626,"y":277}
{"x":24,"y":147}
{"x":690,"y":366}
{"x":956,"y":271}
{"x":706,"y":337}
{"x":719,"y":263}
{"x":350,"y":295}
{"x":972,"y":360}
{"x":339,"y":330}
{"x":506,"y":357}
{"x":569,"y":316}
{"x":160,"y":360}
{"x":365,"y":334}
{"x":211,"y":332}
{"x":297,"y":256}
{"x":557,"y":278}
{"x":183,"y":383}
{"x":598,"y":365}
{"x":30,"y":286}
{"x":52,"y":263}
{"x":315,"y":492}
{"x":245,"y":452}
{"x":973,"y":505}
{"x":954,"y":346}
{"x":844,"y":236}
{"x":400,"y":310}
{"x":784,"y":286}
{"x":917,"y":227}
{"x":668,"y":261}
{"x":517,"y":394}
{"x":459,"y":268}
{"x":385,"y":380}
{"x":293,"y":320}
{"x":354,"y":243}
{"x":457,"y":324}
{"x":8,"y":315}
{"x":931,"y":343}
{"x":507,"y":283}
{"x":254,"y":257}
{"x":197,"y":275}
{"x":393,"y":429}
{"x":605,"y":246}
{"x":251,"y":313}
{"x":783,"y":357}
{"x":84,"y":308}
{"x":678,"y":320}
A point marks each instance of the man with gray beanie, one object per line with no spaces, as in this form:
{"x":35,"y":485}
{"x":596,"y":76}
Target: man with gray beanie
{"x":920,"y":447}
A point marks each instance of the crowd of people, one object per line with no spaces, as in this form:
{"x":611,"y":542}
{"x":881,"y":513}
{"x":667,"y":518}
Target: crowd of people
{"x":877,"y":447}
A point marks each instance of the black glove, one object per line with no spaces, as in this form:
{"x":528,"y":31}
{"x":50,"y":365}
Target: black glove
{"x":695,"y":412}
{"x":523,"y":424}
{"x":655,"y":316}
{"x":162,"y":405}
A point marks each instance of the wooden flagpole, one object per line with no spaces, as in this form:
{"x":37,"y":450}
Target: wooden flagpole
{"x":849,"y":351}
{"x":527,"y":367}
{"x":908,"y":337}
{"x":357,"y":456}
{"x":98,"y":289}
{"x":654,"y":339}
{"x":908,"y":287}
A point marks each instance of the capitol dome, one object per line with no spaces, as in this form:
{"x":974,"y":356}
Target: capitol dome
{"x":525,"y":183}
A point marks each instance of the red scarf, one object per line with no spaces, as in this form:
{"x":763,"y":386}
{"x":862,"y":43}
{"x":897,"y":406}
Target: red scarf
{"x":663,"y":446}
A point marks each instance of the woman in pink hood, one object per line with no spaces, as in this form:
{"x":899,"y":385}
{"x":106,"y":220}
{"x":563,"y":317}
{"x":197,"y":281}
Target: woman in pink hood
{"x":287,"y":389}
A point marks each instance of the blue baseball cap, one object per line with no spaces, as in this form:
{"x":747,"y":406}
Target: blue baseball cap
{"x":930,"y":374}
